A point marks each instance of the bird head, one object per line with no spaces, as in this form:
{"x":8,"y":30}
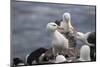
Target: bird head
{"x":66,"y":17}
{"x":52,"y":26}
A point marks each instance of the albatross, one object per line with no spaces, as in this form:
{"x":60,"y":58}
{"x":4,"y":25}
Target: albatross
{"x":66,"y":23}
{"x":67,"y":29}
{"x":59,"y":42}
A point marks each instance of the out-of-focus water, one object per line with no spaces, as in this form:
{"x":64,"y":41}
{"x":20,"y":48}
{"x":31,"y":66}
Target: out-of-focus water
{"x":29,"y":19}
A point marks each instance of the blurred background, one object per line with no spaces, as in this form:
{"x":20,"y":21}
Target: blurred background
{"x":29,"y":20}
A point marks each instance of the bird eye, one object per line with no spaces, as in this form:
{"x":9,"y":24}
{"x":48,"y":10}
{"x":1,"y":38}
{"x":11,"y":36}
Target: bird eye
{"x":54,"y":25}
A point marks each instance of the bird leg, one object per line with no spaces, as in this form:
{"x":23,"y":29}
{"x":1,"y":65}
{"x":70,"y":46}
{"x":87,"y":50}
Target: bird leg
{"x":54,"y":52}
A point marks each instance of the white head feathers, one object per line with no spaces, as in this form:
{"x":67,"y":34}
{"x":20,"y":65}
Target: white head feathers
{"x":66,"y":23}
{"x":51,"y":26}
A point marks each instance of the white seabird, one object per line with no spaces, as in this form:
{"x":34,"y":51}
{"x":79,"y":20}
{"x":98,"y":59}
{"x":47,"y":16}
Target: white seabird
{"x":59,"y":42}
{"x":84,"y":53}
{"x":67,"y":29}
{"x":66,"y":23}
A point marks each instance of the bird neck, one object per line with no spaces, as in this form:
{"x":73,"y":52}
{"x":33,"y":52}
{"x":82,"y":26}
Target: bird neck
{"x":69,"y":27}
{"x":56,"y":34}
{"x":53,"y":33}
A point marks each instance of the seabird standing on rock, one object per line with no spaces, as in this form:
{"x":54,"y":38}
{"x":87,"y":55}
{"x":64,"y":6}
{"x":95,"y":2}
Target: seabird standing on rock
{"x":66,"y":23}
{"x":59,"y":42}
{"x":67,"y":29}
